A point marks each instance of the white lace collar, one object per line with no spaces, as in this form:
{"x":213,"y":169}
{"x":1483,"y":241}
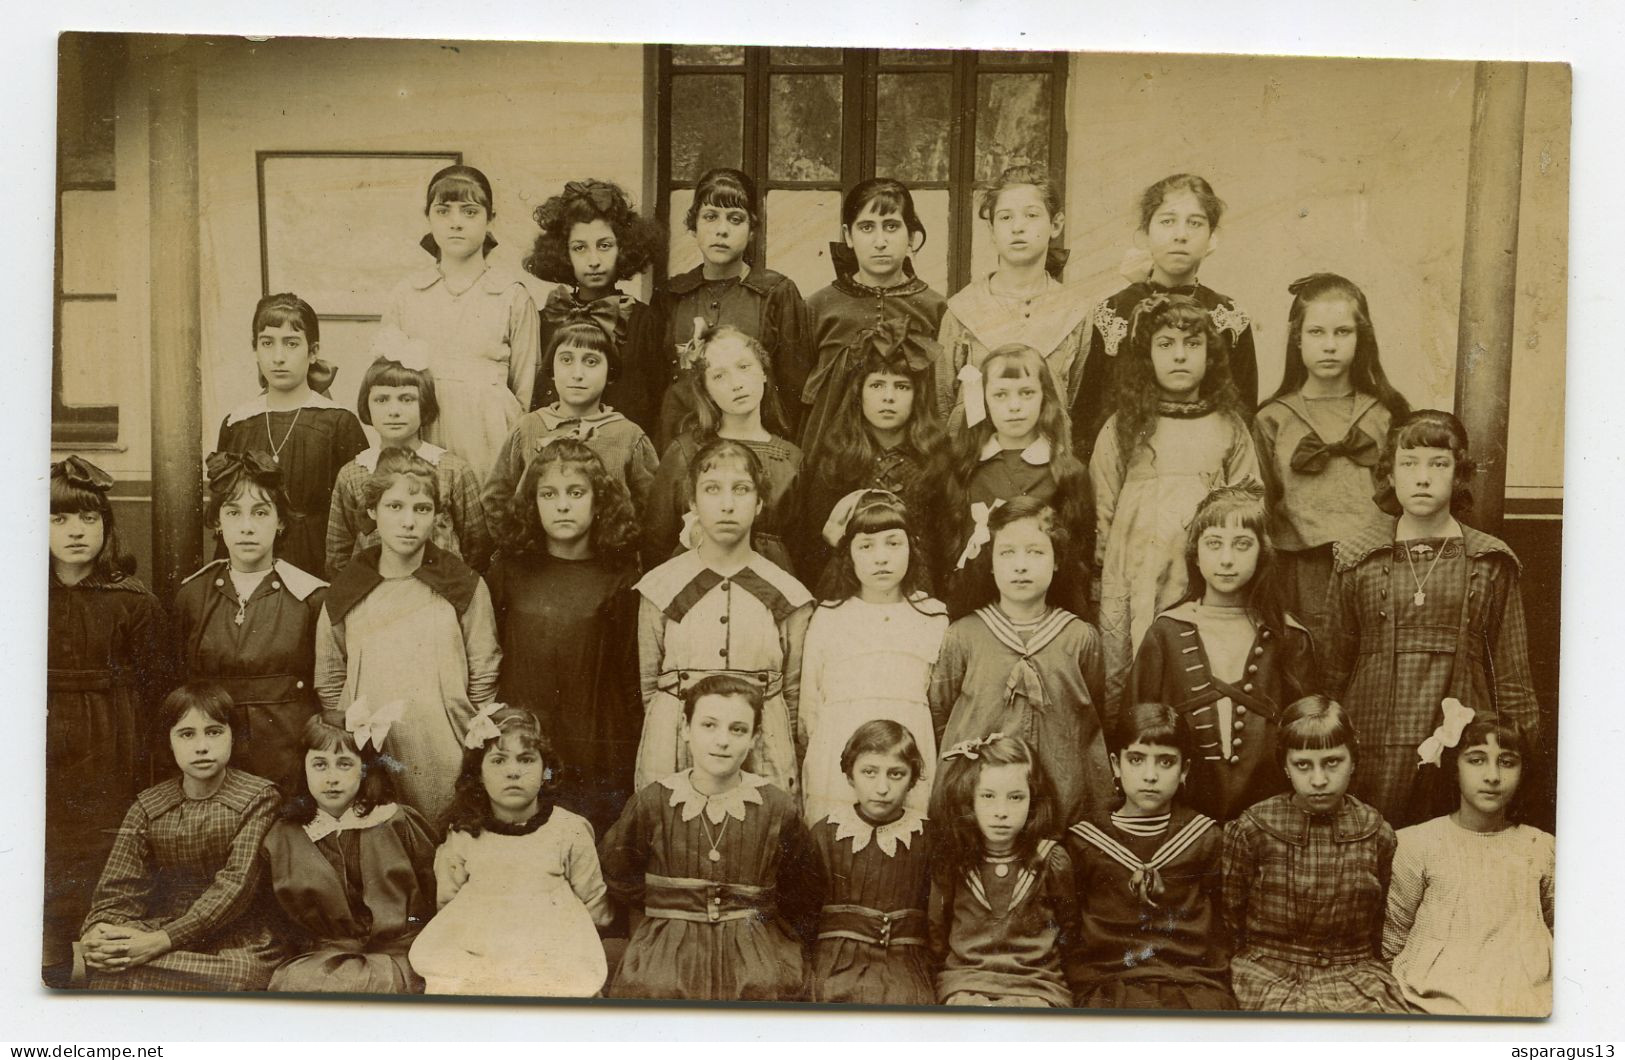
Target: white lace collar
{"x":731,"y":803}
{"x":368,"y":458}
{"x":849,"y":824}
{"x":1036,"y":454}
{"x":255,"y":406}
{"x":325,"y":824}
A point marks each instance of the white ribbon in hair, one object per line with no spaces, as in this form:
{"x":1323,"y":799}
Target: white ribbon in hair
{"x":840,"y":515}
{"x":690,"y":535}
{"x":483,"y":727}
{"x":1448,"y":734}
{"x":372,"y":726}
{"x":979,"y":535}
{"x":391,"y":343}
{"x":970,"y":391}
{"x":689,"y":352}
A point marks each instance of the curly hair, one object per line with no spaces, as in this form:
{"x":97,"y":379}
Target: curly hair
{"x":112,"y":563}
{"x":954,"y":804}
{"x":844,"y":453}
{"x":1139,"y":396}
{"x":393,"y":463}
{"x":639,"y":240}
{"x":1365,"y":373}
{"x":518,"y":730}
{"x":1245,"y":508}
{"x":325,"y":731}
{"x":614,"y":530}
{"x":270,"y":486}
{"x":1152,"y":198}
{"x":877,"y":511}
{"x":1426,"y":429}
{"x":704,"y":417}
{"x":956,"y":463}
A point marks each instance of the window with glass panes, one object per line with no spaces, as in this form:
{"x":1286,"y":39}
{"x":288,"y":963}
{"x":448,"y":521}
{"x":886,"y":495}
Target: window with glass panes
{"x":84,"y":388}
{"x":807,"y":123}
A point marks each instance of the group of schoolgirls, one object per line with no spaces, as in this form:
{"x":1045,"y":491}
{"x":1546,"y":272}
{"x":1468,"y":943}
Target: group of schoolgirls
{"x":566,"y":641}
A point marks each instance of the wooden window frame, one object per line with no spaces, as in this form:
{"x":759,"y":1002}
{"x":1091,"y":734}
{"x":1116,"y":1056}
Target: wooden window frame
{"x":77,"y":425}
{"x":860,"y":67}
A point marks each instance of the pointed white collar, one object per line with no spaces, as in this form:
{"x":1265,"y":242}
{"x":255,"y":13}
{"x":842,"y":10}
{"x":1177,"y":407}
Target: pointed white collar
{"x":1036,"y":454}
{"x":850,"y":825}
{"x":325,"y":824}
{"x":254,"y":406}
{"x":368,"y":458}
{"x":298,"y":582}
{"x":731,"y":803}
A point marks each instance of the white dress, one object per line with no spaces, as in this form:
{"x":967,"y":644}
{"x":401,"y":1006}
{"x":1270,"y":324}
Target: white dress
{"x":1469,"y":926}
{"x":522,"y":924}
{"x":866,"y":662}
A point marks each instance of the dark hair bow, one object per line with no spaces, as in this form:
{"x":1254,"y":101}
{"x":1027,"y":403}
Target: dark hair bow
{"x":82,"y":473}
{"x":606,"y":313}
{"x":1312,"y":454}
{"x":225,"y":470}
{"x":601,"y":195}
{"x":429,"y":244}
{"x":891,"y":339}
{"x":1296,"y":287}
{"x":971,"y":750}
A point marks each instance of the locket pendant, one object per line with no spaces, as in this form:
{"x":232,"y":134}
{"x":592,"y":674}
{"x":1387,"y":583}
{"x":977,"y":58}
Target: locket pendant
{"x":714,"y":855}
{"x":1419,"y":598}
{"x":1001,"y":870}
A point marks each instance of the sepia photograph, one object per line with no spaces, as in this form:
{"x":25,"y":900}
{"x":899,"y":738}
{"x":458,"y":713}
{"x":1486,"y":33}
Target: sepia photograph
{"x":864,"y":525}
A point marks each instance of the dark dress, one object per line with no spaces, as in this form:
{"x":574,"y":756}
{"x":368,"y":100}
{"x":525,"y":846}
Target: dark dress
{"x":311,"y":444}
{"x":729,"y":929}
{"x":568,"y":631}
{"x":1172,"y":667}
{"x":194,"y":868}
{"x":644,"y":363}
{"x":1164,"y":948}
{"x":105,"y":658}
{"x":263,"y":653}
{"x":1108,"y":349}
{"x":872,"y":946}
{"x":357,"y":895}
{"x":765,"y":305}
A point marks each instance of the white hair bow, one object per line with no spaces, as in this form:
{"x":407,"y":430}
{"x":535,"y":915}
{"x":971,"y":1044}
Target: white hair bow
{"x":1448,"y":734}
{"x":840,"y":515}
{"x":970,"y":391}
{"x":980,"y":535}
{"x":483,"y":727}
{"x":370,"y":725}
{"x":393,"y":344}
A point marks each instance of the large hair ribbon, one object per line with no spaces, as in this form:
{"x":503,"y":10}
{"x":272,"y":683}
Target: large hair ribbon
{"x":82,"y":473}
{"x":225,"y":470}
{"x":607,"y":313}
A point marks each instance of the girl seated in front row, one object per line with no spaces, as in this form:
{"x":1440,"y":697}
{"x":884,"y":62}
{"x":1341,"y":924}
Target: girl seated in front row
{"x":721,"y":608}
{"x":1304,"y":879}
{"x":177,"y":907}
{"x":518,"y":885}
{"x":1004,"y":907}
{"x":353,"y":871}
{"x":875,"y":852}
{"x":718,"y":863}
{"x":1149,"y":879}
{"x":1469,"y":927}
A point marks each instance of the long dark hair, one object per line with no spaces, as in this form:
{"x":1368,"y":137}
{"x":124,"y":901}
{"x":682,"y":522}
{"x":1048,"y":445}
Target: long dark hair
{"x":1366,"y":372}
{"x":72,"y":493}
{"x":1508,"y":737}
{"x":876,"y":512}
{"x":959,"y":840}
{"x":614,"y":530}
{"x":1244,"y":505}
{"x":846,"y":451}
{"x":325,"y":731}
{"x":518,"y":729}
{"x":1139,"y":397}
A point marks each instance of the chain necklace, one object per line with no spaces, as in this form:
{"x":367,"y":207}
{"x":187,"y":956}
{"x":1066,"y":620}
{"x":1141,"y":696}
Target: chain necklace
{"x":276,"y":450}
{"x":715,"y":855}
{"x":1421,"y":597}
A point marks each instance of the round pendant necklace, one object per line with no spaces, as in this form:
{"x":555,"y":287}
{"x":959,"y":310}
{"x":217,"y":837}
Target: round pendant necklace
{"x":1001,"y":863}
{"x":715,"y":855}
{"x":276,"y":450}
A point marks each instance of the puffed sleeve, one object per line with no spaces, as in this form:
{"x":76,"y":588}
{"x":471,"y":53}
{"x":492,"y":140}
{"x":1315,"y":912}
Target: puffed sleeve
{"x":1062,"y":891}
{"x":786,"y":333}
{"x":1241,"y":462}
{"x":1106,"y":479}
{"x":1406,"y":889}
{"x":642,"y":465}
{"x":331,"y":668}
{"x":586,"y":877}
{"x":125,"y":889}
{"x":1264,"y":431}
{"x":484,"y":650}
{"x":1094,"y":390}
{"x":651,"y":648}
{"x":235,"y":885}
{"x":951,"y":356}
{"x":346,"y":517}
{"x":451,"y":867}
{"x":524,"y":344}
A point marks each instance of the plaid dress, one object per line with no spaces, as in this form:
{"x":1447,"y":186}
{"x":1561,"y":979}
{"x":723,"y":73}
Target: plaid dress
{"x":1303,"y":896}
{"x":194,"y":868}
{"x":1391,"y":660}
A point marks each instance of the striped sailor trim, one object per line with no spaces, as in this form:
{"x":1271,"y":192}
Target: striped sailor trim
{"x":1180,"y":842}
{"x":1004,"y":631}
{"x":1026,"y":879}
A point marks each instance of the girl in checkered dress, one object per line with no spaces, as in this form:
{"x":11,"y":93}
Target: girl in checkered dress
{"x":1305,"y":876}
{"x":1424,"y":608}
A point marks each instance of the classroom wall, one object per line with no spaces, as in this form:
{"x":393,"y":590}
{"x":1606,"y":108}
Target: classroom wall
{"x":1348,"y":166}
{"x":530,"y":115}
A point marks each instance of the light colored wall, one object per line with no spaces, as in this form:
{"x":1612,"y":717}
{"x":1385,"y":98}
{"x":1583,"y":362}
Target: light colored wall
{"x":530,"y":115}
{"x":1348,"y":166}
